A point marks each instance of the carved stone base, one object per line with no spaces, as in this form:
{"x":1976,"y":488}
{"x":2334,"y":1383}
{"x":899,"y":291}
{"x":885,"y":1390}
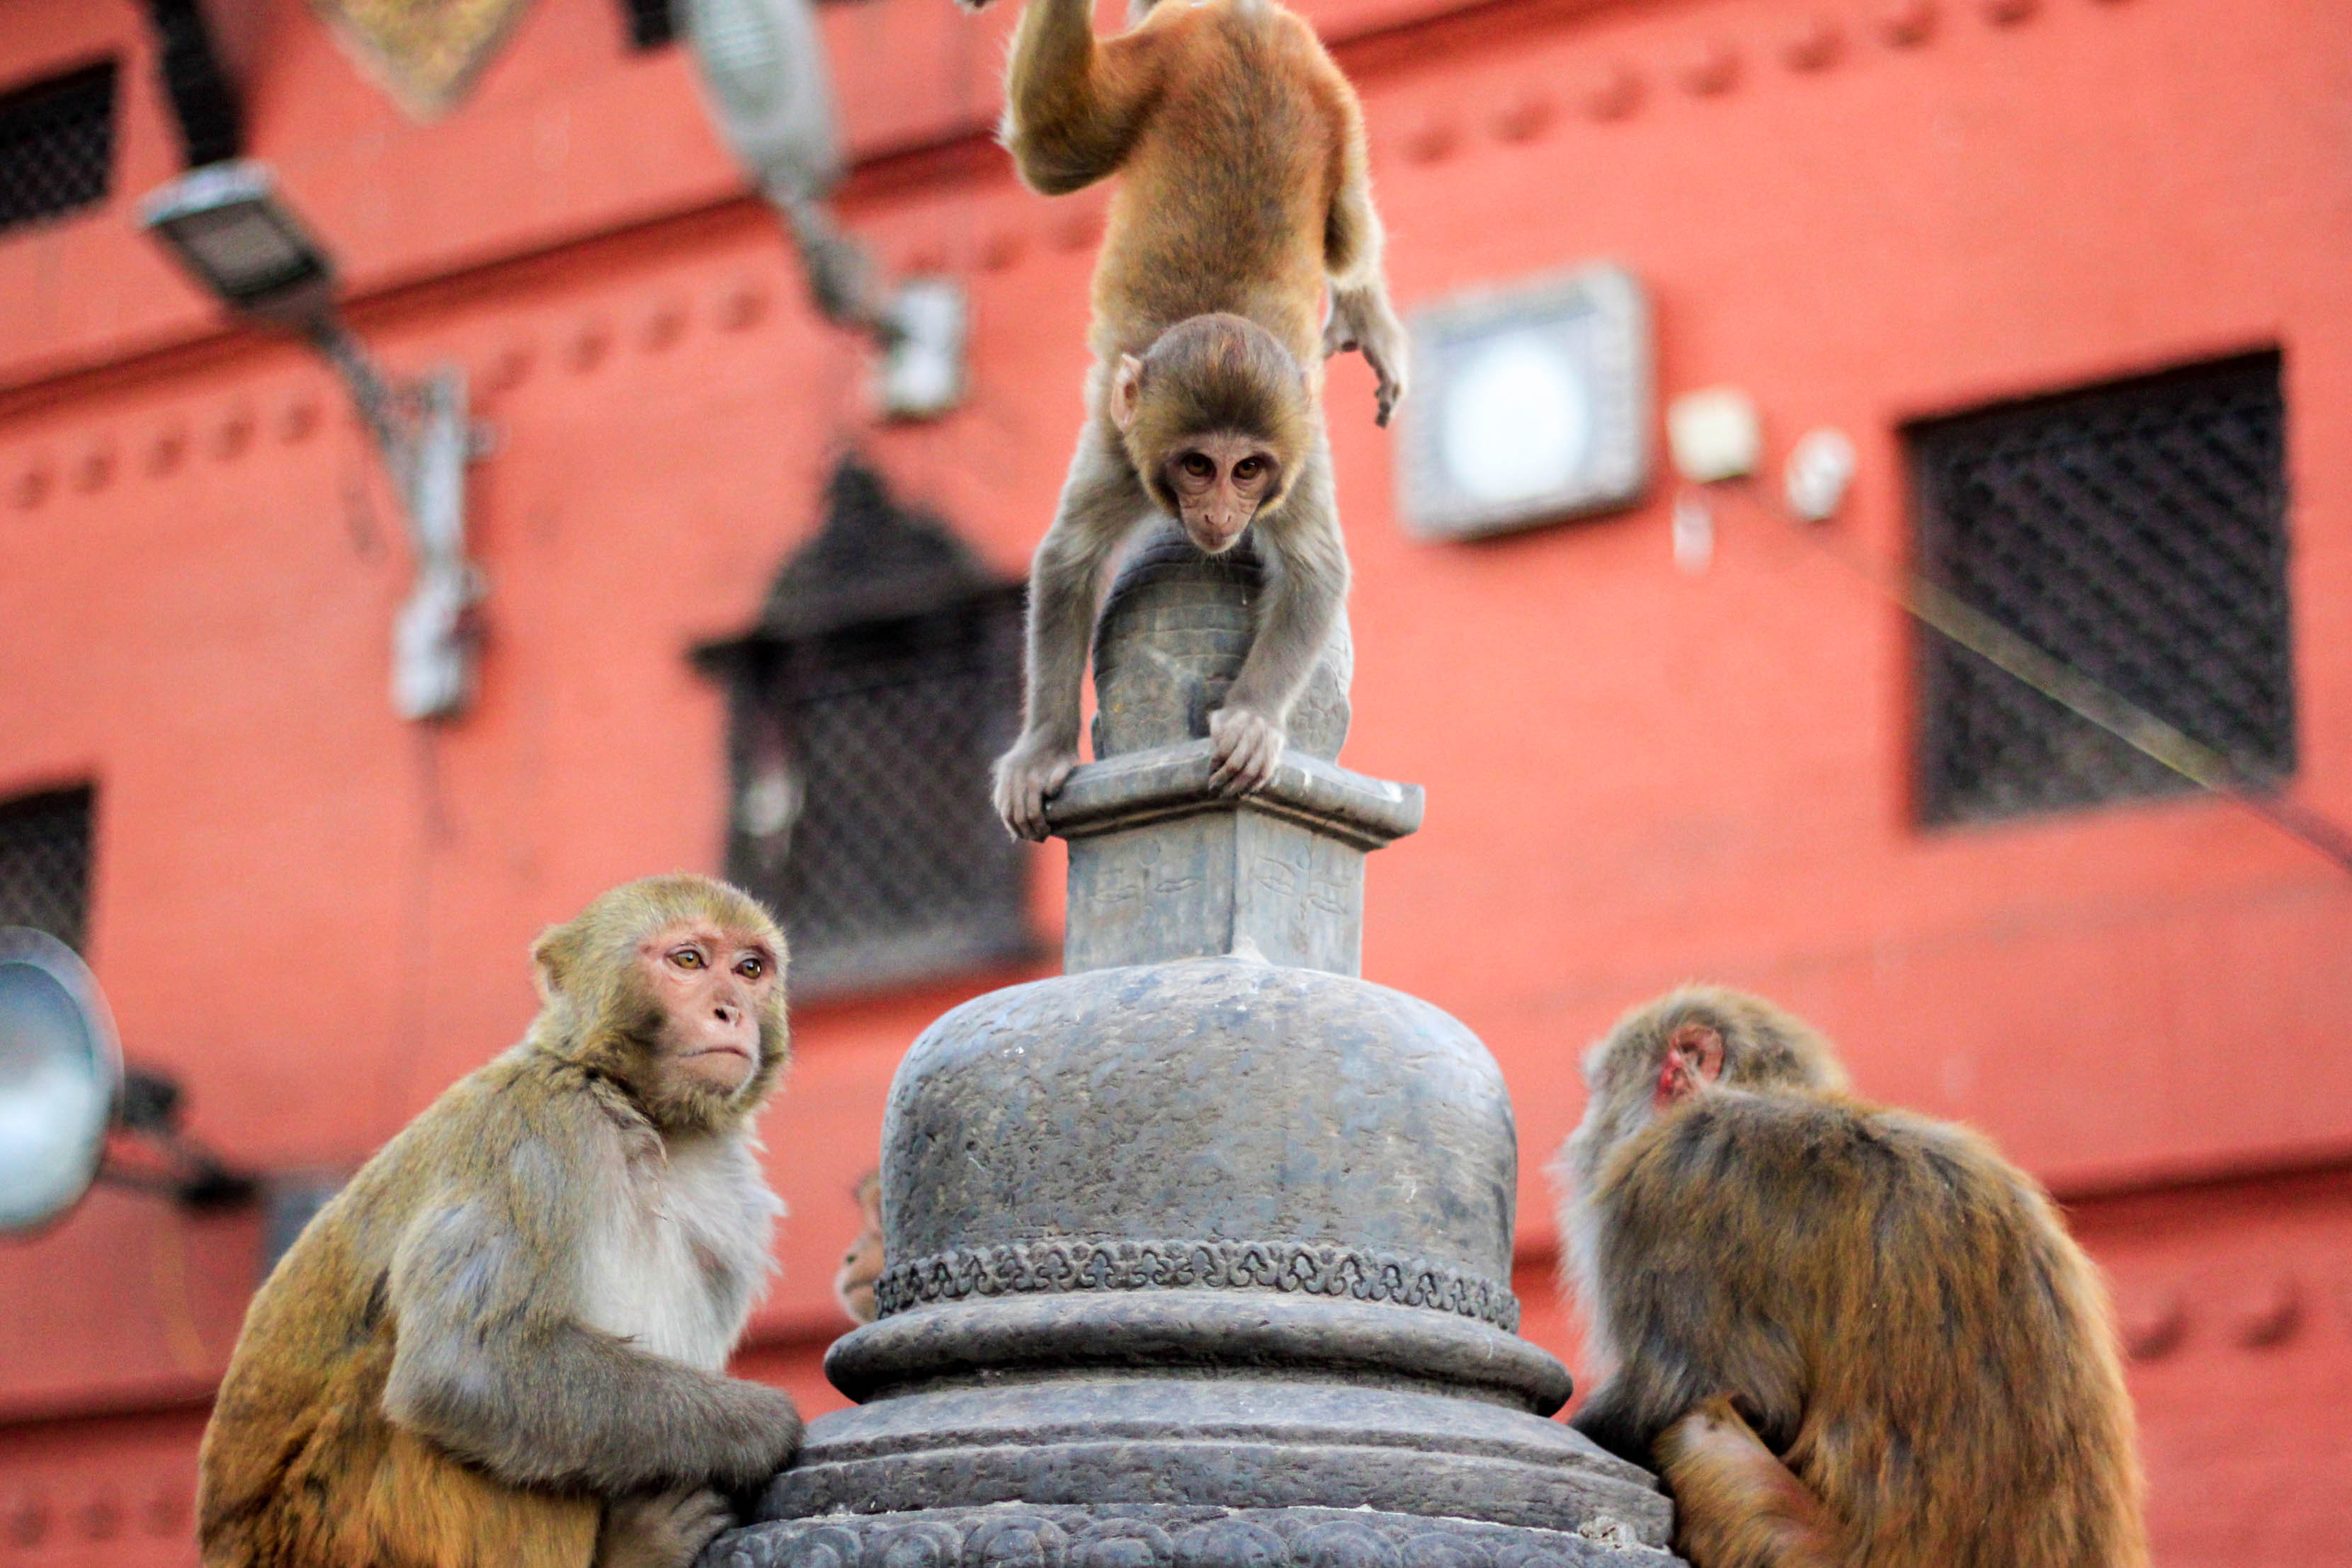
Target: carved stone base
{"x":1144,"y":1535}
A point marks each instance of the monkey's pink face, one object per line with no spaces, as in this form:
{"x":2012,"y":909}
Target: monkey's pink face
{"x":714,"y":985}
{"x":1220,"y":481}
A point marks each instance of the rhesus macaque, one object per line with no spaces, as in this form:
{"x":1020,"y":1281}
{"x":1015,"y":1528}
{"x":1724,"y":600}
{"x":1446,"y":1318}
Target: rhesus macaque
{"x":861,"y":1266}
{"x":1244,"y":187}
{"x":500,"y":1345}
{"x":1845,"y":1334}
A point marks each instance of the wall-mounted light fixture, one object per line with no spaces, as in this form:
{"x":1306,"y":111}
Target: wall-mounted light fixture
{"x":762,"y":62}
{"x":1531,"y":404}
{"x":64,"y":1090}
{"x":225,"y":225}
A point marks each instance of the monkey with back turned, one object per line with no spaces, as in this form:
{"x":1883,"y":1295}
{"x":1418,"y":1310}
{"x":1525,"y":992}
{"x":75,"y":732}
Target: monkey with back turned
{"x":1846,"y":1335}
{"x":1244,"y":189}
{"x":501,"y":1345}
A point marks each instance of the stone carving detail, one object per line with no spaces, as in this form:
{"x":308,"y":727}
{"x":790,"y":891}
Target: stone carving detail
{"x":1023,"y":1267}
{"x":1015,"y":1535}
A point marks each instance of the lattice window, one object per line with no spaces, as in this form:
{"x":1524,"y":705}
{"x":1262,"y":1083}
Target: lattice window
{"x":45,"y":842}
{"x":57,"y":146}
{"x":868,"y":705}
{"x":649,"y":22}
{"x":2136,"y":531}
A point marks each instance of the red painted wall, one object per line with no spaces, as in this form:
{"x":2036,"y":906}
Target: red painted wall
{"x":316,"y":916}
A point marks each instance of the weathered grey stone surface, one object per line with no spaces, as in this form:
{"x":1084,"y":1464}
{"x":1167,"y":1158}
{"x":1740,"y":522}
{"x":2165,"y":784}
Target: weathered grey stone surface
{"x":1174,"y":629}
{"x":1016,"y":1535}
{"x":1199,"y":1254}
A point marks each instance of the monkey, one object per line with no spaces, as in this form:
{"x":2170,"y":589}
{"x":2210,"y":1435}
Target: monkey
{"x":861,"y":1266}
{"x":501,"y":1342}
{"x":1845,"y":1334}
{"x":1245,"y":192}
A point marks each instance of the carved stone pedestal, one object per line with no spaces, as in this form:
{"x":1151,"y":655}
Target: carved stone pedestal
{"x":1199,"y":1254}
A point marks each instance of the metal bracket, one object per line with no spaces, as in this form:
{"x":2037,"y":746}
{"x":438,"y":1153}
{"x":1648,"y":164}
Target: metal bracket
{"x":426,"y":439}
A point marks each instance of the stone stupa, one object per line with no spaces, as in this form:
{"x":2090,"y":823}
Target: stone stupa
{"x":1199,"y":1254}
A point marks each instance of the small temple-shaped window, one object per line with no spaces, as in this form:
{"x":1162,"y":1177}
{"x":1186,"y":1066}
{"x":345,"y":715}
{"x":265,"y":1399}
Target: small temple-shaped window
{"x":866,"y":707}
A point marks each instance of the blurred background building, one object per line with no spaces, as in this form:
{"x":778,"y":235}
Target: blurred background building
{"x":2070,"y":274}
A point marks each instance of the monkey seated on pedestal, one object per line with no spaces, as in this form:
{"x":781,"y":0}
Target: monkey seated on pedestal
{"x":501,"y":1345}
{"x":1845,"y":1334}
{"x":1244,"y":187}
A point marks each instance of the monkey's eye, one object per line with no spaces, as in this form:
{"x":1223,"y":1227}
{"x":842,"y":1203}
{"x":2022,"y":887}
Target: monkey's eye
{"x":752,"y":968}
{"x":1200,"y":465}
{"x":1249,"y":468}
{"x":686,"y":958}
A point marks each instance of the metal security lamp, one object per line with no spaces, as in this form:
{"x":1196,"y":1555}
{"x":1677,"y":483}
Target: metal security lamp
{"x":762,"y":65}
{"x":225,"y":225}
{"x":65,"y":1096}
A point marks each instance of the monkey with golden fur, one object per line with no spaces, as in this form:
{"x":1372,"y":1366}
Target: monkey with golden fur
{"x":1846,"y":1335}
{"x":501,"y":1344}
{"x":861,"y":1265}
{"x":1245,"y":190}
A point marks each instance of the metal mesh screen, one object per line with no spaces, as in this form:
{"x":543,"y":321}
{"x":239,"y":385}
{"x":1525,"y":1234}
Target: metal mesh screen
{"x":2136,"y":531}
{"x":863,"y":813}
{"x":45,"y":863}
{"x":57,"y":146}
{"x":650,"y":24}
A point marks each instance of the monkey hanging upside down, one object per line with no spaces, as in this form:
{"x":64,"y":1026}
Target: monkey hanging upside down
{"x":1849,"y":1337}
{"x":1244,"y":187}
{"x":501,"y":1344}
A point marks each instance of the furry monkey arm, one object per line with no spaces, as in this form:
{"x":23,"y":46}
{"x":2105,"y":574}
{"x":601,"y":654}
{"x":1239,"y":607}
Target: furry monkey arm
{"x":1696,"y":1276}
{"x":493,"y":1361}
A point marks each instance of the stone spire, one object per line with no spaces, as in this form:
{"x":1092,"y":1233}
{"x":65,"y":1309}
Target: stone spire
{"x":1199,"y":1254}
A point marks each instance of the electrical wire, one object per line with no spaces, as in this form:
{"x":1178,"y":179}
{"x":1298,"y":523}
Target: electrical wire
{"x":1949,"y":616}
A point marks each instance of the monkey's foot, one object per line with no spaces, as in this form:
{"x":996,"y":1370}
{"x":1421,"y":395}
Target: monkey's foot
{"x":661,"y":1530}
{"x":1025,"y":776}
{"x":1249,"y":748}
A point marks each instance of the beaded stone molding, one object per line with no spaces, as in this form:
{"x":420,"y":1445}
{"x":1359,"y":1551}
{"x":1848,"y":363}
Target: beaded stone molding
{"x":1017,"y":1535}
{"x":1023,"y":1267}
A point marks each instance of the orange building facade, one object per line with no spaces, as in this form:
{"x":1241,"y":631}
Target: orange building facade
{"x":1639,"y":769}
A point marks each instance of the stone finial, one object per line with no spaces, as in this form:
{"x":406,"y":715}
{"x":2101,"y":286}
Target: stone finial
{"x":1163,"y":867}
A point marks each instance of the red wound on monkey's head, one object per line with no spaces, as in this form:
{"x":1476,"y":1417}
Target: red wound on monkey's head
{"x":1694,"y":1060}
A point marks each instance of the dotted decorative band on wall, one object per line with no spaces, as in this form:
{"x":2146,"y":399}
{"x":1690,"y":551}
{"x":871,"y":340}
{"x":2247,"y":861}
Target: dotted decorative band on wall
{"x":1023,"y":1267}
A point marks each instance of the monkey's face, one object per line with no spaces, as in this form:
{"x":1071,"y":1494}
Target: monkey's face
{"x":714,"y":985}
{"x":1219,"y":481}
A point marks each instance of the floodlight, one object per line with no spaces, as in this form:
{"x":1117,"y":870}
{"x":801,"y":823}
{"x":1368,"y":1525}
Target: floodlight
{"x":63,"y":1086}
{"x":764,"y":73}
{"x":1530,"y":403}
{"x":60,"y":1070}
{"x":225,"y":223}
{"x":227,"y":226}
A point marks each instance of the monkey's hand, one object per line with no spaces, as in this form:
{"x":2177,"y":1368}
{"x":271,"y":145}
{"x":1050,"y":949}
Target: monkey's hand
{"x":661,"y":1529}
{"x":1248,"y":749}
{"x":1362,"y":320}
{"x":1026,"y":776}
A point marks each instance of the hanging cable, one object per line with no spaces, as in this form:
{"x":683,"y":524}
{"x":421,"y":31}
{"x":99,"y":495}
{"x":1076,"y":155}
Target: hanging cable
{"x":1949,"y":616}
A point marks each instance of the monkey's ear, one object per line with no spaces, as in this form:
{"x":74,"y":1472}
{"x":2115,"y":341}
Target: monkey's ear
{"x":1126,"y":390}
{"x":551,"y":960}
{"x":1694,"y":1060}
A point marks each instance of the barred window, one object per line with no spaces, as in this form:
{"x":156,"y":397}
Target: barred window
{"x":57,"y":146}
{"x":2135,"y":530}
{"x":45,"y":843}
{"x":649,"y":22}
{"x":867,"y":705}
